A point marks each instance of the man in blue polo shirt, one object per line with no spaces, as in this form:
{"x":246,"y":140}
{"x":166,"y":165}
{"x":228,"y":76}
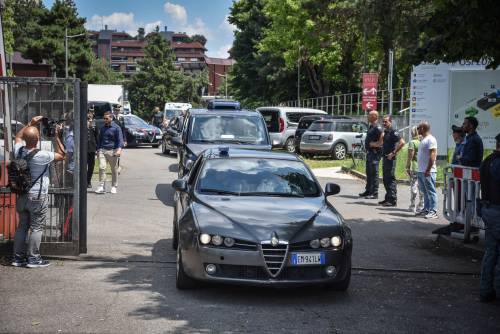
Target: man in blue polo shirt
{"x":109,"y":148}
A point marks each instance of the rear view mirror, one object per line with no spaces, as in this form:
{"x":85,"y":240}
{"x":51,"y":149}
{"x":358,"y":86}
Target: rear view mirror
{"x":332,"y":189}
{"x":180,"y":185}
{"x":359,"y":136}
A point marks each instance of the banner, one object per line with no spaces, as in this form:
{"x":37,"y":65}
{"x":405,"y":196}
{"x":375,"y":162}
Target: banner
{"x":370,"y":83}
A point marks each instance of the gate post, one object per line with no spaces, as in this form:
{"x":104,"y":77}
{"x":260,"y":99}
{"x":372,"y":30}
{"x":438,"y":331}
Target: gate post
{"x":82,"y":116}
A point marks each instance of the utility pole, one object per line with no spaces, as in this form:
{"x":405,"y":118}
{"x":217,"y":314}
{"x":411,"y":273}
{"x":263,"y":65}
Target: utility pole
{"x":66,"y":37}
{"x":389,"y":79}
{"x":298,"y":77}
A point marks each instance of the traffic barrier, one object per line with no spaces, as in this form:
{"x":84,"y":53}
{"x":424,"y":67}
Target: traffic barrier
{"x":461,"y":189}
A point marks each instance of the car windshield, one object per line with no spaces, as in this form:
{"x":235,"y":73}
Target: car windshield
{"x":257,"y":177}
{"x":169,"y":113}
{"x":321,"y":126}
{"x":228,"y":128}
{"x":134,"y":121}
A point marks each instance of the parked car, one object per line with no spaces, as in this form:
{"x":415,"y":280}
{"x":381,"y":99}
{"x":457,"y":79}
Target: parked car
{"x":204,"y":129}
{"x":332,"y":137}
{"x":282,"y":122}
{"x":173,"y":130}
{"x":304,"y":124}
{"x":258,"y":218}
{"x":140,"y":133}
{"x":223,"y":104}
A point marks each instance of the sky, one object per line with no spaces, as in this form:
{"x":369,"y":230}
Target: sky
{"x":206,"y":17}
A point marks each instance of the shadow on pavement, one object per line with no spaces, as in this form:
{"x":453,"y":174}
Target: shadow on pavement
{"x":165,"y":193}
{"x":349,"y":196}
{"x":173,"y":168}
{"x":365,"y":203}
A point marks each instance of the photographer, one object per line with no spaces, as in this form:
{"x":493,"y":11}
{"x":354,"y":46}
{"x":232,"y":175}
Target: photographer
{"x":110,"y":147}
{"x":32,"y":206}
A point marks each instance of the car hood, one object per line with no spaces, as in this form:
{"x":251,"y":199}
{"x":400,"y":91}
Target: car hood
{"x":255,"y":218}
{"x":143,"y":128}
{"x":196,"y":149}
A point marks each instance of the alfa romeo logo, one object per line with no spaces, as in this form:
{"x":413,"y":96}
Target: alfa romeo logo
{"x":274,"y":240}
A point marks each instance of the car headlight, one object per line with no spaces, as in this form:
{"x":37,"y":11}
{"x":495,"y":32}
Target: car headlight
{"x":325,"y":242}
{"x":336,"y":241}
{"x":314,"y":243}
{"x":229,"y":242}
{"x":217,"y":240}
{"x":205,"y":238}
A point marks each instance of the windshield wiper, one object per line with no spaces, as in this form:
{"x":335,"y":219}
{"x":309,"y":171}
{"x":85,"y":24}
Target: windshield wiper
{"x":219,"y":192}
{"x":264,"y":193}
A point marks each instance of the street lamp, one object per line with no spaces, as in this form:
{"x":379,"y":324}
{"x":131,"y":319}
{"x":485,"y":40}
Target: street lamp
{"x":66,"y":36}
{"x":225,"y":82}
{"x":298,"y":76}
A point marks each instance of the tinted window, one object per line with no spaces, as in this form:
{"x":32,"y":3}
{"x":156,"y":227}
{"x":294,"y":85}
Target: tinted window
{"x":321,"y":126}
{"x":346,"y":127}
{"x":305,"y":123}
{"x":271,"y":117}
{"x":254,"y":177}
{"x":169,"y":113}
{"x":294,"y":117}
{"x":228,"y":128}
{"x":134,"y":121}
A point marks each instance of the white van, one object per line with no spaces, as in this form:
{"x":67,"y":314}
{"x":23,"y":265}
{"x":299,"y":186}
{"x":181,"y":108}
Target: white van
{"x":282,"y":122}
{"x":173,"y":109}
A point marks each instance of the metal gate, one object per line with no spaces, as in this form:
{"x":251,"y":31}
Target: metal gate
{"x":61,"y":101}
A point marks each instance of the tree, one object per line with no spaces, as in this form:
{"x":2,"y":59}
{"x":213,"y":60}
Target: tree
{"x":190,"y":88}
{"x":141,"y":33}
{"x":199,"y":38}
{"x":8,"y":26}
{"x":101,"y":73}
{"x":157,"y":81}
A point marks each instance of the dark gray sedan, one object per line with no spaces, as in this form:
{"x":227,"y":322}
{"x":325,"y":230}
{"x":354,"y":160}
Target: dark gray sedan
{"x":258,"y":218}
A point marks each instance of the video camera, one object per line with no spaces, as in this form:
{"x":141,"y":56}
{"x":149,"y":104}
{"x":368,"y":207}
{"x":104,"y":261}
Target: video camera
{"x":49,"y":127}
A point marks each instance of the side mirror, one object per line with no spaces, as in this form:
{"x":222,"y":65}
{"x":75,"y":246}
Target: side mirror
{"x":176,"y":141}
{"x":359,"y":136}
{"x":332,"y":189}
{"x":180,"y":185}
{"x":189,"y":164}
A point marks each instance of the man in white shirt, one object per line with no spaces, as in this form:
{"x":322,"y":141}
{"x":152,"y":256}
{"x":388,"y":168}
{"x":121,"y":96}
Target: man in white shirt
{"x":426,"y":160}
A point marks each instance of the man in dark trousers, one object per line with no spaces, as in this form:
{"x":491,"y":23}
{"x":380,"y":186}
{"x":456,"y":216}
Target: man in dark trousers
{"x":157,"y":118}
{"x":490,"y":212}
{"x":472,"y":153}
{"x":392,"y":145}
{"x":373,"y":144}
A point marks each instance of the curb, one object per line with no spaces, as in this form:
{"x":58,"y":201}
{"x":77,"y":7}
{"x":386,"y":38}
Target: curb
{"x":449,"y":243}
{"x":363,"y":176}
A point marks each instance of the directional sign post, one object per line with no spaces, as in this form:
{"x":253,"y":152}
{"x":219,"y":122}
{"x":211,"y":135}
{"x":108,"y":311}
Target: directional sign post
{"x":370,"y":82}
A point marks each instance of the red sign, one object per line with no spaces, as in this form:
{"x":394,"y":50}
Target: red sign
{"x":370,"y":82}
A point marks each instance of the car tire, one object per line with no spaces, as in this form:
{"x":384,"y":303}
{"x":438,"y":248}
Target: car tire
{"x":182,"y":281}
{"x":175,"y":232}
{"x":339,"y":151}
{"x":290,"y":145}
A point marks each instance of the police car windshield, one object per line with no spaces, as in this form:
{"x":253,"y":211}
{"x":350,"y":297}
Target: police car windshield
{"x":257,"y":177}
{"x":236,"y":128}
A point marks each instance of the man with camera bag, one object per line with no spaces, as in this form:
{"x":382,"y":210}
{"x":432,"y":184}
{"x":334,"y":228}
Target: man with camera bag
{"x":29,"y":178}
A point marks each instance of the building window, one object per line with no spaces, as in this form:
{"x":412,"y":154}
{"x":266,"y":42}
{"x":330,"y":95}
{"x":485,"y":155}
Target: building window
{"x":181,"y":59}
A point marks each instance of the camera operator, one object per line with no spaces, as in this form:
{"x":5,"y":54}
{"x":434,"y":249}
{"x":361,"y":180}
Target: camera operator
{"x":110,"y":147}
{"x":32,"y":206}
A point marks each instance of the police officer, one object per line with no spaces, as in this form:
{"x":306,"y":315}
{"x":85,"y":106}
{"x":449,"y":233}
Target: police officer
{"x":490,"y":211}
{"x":373,"y":144}
{"x":392,"y":144}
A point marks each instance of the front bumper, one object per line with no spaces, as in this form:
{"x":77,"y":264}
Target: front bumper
{"x":139,"y":140}
{"x":245,"y":267}
{"x":318,"y":148}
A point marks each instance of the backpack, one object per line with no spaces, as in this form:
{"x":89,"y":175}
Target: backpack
{"x":19,"y":173}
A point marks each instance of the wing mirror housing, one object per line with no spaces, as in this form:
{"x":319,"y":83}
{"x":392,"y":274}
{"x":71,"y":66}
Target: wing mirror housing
{"x":359,"y":136}
{"x":332,"y":189}
{"x":180,"y":185}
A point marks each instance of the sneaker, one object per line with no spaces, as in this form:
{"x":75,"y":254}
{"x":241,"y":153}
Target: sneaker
{"x":363,"y":194}
{"x":38,"y":264}
{"x":389,"y":204}
{"x":100,"y":190}
{"x":431,"y":215}
{"x":375,"y":196}
{"x":382,"y":202}
{"x":113,"y":190}
{"x":421,"y":213}
{"x":19,"y":262}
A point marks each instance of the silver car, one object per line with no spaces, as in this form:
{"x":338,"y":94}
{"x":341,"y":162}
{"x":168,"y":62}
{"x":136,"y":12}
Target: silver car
{"x":282,"y":122}
{"x":332,"y":137}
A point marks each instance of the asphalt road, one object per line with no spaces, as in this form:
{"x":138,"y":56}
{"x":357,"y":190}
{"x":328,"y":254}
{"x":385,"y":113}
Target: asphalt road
{"x":402,"y":281}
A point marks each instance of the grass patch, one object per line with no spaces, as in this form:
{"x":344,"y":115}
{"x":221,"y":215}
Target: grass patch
{"x":326,"y":162}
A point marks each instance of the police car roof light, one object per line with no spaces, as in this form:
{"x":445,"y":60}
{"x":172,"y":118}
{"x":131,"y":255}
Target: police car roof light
{"x":223,"y":150}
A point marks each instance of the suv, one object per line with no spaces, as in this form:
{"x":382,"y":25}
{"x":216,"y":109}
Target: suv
{"x":304,"y":124}
{"x":333,"y":137}
{"x":204,"y":129}
{"x":282,"y":122}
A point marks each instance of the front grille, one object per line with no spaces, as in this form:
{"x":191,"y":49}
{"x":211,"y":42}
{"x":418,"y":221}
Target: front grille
{"x":260,"y":274}
{"x":274,"y":256}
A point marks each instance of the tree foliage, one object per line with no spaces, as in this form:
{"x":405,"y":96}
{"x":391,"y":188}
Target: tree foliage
{"x":101,"y":73}
{"x":199,"y":38}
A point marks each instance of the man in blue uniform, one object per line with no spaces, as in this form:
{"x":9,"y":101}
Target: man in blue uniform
{"x":472,"y":153}
{"x":458,"y":134}
{"x":390,"y":148}
{"x":490,"y":211}
{"x":373,"y":144}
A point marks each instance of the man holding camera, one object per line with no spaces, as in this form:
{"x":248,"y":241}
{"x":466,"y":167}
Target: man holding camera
{"x":109,"y":148}
{"x":32,"y":206}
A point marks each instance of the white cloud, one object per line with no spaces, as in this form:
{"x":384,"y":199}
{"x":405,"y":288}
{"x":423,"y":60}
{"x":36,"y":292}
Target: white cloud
{"x":117,"y":20}
{"x":149,"y":27}
{"x":222,"y":52}
{"x":198,"y":27}
{"x":176,"y":12}
{"x":226,"y":26}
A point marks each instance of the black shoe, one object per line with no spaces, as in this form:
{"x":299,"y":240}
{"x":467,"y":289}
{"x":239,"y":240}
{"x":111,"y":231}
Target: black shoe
{"x":389,"y":204}
{"x":487,"y":298}
{"x":364,"y":194}
{"x":382,"y":202}
{"x":372,"y":196}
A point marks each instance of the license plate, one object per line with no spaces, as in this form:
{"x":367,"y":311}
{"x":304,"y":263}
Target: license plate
{"x":301,"y":259}
{"x":314,"y":137}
